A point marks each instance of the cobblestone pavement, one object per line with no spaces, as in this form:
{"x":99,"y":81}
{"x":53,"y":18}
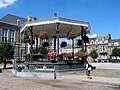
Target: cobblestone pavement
{"x":10,"y":82}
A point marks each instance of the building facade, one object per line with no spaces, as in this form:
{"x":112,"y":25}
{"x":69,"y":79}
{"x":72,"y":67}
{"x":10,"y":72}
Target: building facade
{"x":9,"y":30}
{"x":112,"y":44}
{"x":100,"y":44}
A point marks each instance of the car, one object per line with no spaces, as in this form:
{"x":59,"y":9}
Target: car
{"x":115,"y":60}
{"x":106,"y":60}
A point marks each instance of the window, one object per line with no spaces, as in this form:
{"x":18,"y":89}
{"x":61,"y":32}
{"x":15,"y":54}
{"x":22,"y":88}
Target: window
{"x":103,"y":48}
{"x":96,"y":47}
{"x":4,"y":34}
{"x":116,"y":44}
{"x":12,"y":35}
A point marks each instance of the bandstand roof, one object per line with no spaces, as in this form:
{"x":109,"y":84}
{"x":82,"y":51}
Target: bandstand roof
{"x":49,"y":25}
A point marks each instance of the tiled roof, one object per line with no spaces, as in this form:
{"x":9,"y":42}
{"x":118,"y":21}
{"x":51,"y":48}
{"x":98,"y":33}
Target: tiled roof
{"x":104,"y":37}
{"x":114,"y":40}
{"x":12,"y":19}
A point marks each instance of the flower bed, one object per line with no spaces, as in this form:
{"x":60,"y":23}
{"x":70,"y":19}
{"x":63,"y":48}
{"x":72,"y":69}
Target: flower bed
{"x":68,"y":56}
{"x":52,"y":55}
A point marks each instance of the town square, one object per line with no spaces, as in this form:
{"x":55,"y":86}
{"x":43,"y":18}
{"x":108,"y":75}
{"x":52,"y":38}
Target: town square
{"x":59,"y":45}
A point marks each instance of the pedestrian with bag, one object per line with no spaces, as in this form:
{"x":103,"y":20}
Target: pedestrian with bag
{"x":88,"y":68}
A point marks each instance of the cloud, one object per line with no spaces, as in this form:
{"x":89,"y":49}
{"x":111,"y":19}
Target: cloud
{"x":5,"y":3}
{"x":93,"y":36}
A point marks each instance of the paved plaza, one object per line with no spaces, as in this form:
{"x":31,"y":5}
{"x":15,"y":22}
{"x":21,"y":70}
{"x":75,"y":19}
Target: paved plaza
{"x":103,"y":79}
{"x":10,"y":82}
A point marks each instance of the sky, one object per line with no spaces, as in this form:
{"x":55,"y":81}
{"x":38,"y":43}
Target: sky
{"x":103,"y":15}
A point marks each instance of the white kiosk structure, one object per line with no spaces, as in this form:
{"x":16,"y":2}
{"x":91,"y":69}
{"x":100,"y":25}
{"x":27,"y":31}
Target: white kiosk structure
{"x":56,"y":28}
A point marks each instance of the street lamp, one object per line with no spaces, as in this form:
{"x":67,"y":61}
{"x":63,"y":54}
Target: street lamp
{"x":16,"y":47}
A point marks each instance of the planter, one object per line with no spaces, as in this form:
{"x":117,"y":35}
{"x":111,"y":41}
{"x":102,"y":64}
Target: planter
{"x":43,"y":35}
{"x":71,"y":35}
{"x":53,"y":61}
{"x":0,"y":70}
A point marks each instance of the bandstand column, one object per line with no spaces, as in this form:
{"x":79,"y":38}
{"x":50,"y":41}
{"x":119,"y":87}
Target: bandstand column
{"x":73,"y":48}
{"x":36,"y":41}
{"x":82,"y":32}
{"x":54,"y":43}
{"x":57,"y":33}
{"x":31,"y":43}
{"x":85,"y":42}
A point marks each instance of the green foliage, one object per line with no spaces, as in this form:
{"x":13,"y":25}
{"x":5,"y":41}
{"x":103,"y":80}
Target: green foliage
{"x":6,"y":51}
{"x":43,"y":50}
{"x":93,"y":54}
{"x":81,"y":51}
{"x":116,"y":52}
{"x":26,"y":38}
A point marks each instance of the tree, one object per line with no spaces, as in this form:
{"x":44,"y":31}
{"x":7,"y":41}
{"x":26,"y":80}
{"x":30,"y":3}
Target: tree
{"x":6,"y":51}
{"x":116,"y":52}
{"x":93,"y":54}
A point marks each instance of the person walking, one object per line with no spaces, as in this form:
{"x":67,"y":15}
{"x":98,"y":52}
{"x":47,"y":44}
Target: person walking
{"x":88,"y":68}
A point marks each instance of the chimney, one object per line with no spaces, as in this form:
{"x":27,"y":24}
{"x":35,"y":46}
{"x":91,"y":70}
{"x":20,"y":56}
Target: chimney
{"x":18,"y":22}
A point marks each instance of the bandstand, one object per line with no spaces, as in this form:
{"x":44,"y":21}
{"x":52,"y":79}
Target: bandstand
{"x":56,"y":28}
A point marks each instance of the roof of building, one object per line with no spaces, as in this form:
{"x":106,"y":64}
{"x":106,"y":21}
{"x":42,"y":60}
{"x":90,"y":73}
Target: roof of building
{"x":107,"y":37}
{"x":12,"y":19}
{"x":114,"y":40}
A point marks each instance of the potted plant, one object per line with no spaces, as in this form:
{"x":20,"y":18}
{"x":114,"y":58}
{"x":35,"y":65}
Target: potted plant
{"x":52,"y":56}
{"x":43,"y":35}
{"x":68,"y":56}
{"x":71,"y":35}
{"x":79,"y":54}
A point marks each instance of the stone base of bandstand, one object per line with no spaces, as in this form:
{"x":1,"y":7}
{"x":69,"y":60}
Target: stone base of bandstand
{"x":49,"y":75}
{"x":48,"y":69}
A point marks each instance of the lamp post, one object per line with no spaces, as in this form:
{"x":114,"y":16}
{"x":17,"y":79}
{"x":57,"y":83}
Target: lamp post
{"x":18,"y":39}
{"x":14,"y":62}
{"x":17,"y":47}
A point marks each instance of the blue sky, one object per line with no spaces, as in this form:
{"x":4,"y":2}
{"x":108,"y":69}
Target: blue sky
{"x":103,"y":15}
